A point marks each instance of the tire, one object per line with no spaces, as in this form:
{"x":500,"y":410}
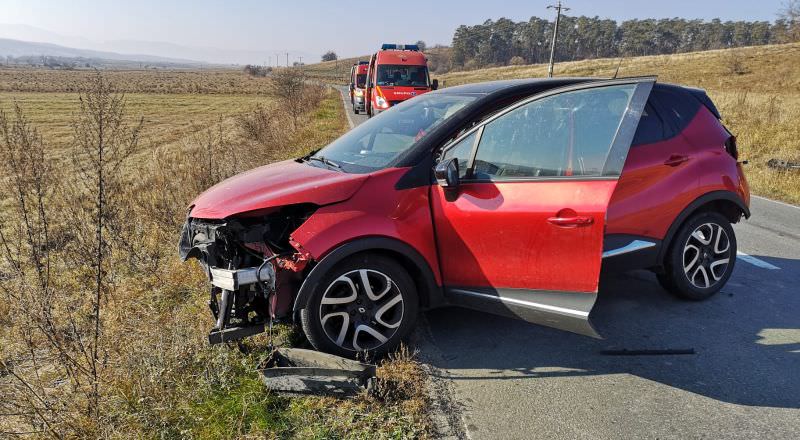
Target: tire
{"x":698,"y":262}
{"x":345,"y":319}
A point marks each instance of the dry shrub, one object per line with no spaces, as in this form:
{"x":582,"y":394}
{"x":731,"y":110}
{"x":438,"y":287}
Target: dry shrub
{"x":59,"y":292}
{"x":400,"y":377}
{"x":295,"y":93}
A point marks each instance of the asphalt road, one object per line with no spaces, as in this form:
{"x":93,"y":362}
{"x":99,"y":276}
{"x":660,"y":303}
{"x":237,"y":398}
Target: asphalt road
{"x":501,"y":378}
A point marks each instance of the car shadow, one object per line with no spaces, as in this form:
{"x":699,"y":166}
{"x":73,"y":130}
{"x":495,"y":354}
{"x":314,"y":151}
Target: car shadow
{"x":746,"y":339}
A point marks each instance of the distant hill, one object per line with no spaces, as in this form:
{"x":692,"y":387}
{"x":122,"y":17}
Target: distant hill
{"x":25,"y":52}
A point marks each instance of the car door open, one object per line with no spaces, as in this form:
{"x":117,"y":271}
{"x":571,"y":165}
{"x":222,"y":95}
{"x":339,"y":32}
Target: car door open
{"x":520,"y":230}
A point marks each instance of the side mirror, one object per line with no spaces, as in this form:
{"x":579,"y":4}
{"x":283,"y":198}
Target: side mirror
{"x":446,"y":173}
{"x":435,"y":84}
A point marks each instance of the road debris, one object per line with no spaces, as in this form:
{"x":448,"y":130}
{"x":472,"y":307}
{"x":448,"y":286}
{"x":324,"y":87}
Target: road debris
{"x":295,"y":370}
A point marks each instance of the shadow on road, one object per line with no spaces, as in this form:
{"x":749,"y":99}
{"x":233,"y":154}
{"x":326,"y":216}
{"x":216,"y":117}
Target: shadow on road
{"x":746,"y":338}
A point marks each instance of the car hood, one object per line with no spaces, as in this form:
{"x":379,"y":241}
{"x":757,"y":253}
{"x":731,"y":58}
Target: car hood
{"x":279,"y":184}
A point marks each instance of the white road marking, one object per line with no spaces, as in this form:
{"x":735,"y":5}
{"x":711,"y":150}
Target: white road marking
{"x":347,"y":110}
{"x":775,"y":201}
{"x":755,"y":261}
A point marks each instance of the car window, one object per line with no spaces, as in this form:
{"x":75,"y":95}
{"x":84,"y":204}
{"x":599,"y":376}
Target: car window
{"x":568,"y":134}
{"x":650,"y":129}
{"x":378,"y":141}
{"x":677,"y":109}
{"x":462,"y":150}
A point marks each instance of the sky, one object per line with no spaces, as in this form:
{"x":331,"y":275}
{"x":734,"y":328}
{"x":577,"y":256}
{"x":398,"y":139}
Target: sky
{"x":253,"y":28}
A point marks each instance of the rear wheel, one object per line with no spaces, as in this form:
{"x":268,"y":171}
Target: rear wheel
{"x":701,"y":258}
{"x":368,"y":303}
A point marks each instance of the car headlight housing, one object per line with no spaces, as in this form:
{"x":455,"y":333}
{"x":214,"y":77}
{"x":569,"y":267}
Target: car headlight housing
{"x":381,"y":102}
{"x":359,"y":92}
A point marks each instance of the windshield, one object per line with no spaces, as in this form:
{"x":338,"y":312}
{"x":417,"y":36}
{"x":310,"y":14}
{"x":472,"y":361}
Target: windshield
{"x":361,"y":80}
{"x":372,"y":145}
{"x":398,"y":75}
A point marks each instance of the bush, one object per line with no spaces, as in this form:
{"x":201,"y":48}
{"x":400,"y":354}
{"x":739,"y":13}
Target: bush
{"x":330,"y":56}
{"x":517,"y":61}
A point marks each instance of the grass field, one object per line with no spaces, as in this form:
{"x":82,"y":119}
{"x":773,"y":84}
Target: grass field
{"x":159,"y":378}
{"x":168,"y":118}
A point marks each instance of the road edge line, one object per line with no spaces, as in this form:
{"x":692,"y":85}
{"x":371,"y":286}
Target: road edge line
{"x":776,"y":201}
{"x":346,"y":111}
{"x":757,"y":262}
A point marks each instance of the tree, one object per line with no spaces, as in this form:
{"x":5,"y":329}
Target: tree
{"x":330,"y":56}
{"x":790,"y":16}
{"x":422,"y":46}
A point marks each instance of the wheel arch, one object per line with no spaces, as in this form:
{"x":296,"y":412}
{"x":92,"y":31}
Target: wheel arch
{"x":726,"y":203}
{"x":430,"y":293}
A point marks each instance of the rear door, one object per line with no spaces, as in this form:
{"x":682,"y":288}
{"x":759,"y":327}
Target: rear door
{"x":524,"y":234}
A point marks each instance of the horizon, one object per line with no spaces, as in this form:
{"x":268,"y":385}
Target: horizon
{"x":261,"y":32}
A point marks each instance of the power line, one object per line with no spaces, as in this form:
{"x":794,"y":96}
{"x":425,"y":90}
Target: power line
{"x":558,"y":9}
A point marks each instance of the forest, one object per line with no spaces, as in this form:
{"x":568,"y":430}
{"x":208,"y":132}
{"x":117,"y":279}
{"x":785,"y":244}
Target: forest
{"x":505,"y":42}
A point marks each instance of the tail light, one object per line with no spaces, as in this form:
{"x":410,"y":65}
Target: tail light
{"x":730,"y":147}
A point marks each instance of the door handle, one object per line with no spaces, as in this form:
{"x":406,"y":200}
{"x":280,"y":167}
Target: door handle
{"x":572,"y":221}
{"x":676,"y":159}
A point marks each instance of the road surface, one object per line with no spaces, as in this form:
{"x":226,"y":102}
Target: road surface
{"x":501,"y":378}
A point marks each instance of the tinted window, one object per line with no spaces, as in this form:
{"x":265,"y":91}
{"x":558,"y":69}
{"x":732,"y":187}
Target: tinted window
{"x":568,"y":134}
{"x":650,"y":129}
{"x":676,"y":107}
{"x":361,"y":80}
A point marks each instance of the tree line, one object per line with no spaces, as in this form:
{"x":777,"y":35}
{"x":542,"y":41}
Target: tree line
{"x":504,"y":41}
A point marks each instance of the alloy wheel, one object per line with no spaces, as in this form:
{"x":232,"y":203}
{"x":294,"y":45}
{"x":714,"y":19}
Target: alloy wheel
{"x":361,"y":310}
{"x":706,"y":255}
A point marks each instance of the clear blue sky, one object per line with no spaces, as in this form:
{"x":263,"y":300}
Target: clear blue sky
{"x":313,"y":26}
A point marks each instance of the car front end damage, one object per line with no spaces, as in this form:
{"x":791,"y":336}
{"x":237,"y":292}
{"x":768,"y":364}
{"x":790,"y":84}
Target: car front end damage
{"x":253,"y":266}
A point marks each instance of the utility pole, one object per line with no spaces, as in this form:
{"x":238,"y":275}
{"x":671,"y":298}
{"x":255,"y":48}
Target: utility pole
{"x":558,"y":9}
{"x":301,"y":60}
{"x":287,"y":59}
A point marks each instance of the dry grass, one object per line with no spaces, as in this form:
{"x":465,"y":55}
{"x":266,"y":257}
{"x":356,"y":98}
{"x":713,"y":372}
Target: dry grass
{"x":206,"y":82}
{"x":757,"y":90}
{"x":159,"y":378}
{"x":168,"y":117}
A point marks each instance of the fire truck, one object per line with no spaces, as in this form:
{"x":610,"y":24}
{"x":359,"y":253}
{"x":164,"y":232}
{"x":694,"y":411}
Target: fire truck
{"x":394,"y":74}
{"x":358,"y":82}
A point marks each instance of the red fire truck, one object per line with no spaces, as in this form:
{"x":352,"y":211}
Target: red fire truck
{"x":395,"y":73}
{"x":358,"y":81}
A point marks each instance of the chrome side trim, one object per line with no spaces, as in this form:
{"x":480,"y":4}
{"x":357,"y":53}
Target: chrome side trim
{"x":635,"y":245}
{"x":567,"y":311}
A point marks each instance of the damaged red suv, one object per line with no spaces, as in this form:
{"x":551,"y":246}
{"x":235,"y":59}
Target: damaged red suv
{"x":508,"y":197}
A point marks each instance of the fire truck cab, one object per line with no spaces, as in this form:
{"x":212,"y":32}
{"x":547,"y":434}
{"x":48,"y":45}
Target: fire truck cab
{"x":394,"y":74}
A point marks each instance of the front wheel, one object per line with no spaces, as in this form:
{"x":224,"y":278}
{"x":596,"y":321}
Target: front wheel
{"x":701,"y":258}
{"x":366,"y":304}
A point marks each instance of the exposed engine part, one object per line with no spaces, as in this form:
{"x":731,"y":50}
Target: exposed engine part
{"x":242,"y":257}
{"x":228,"y":279}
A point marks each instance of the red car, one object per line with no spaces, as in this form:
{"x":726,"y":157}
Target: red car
{"x":508,"y":197}
{"x":396,"y":73}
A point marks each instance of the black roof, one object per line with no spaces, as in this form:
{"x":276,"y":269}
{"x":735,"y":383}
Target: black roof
{"x":494,"y":86}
